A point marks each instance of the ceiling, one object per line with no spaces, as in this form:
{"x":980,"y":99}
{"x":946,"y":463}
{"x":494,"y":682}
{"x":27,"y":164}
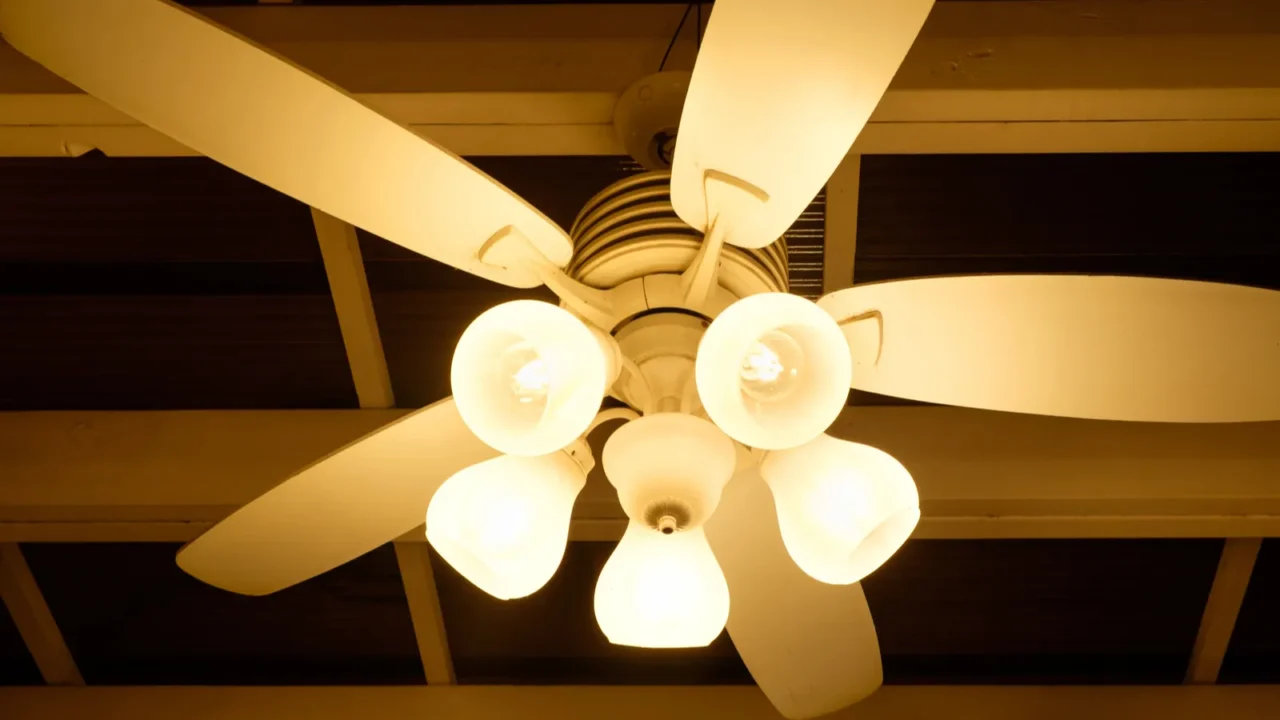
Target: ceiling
{"x":212,"y":3}
{"x":175,"y":283}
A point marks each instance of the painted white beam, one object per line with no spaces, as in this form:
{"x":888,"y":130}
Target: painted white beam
{"x":424,"y":609}
{"x":35,"y":623}
{"x":633,"y":703}
{"x":167,"y":475}
{"x":340,"y":248}
{"x":1225,"y":598}
{"x":1064,"y":76}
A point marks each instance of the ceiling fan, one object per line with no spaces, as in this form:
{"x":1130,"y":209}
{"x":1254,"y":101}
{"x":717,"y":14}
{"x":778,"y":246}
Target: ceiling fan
{"x":743,"y":513}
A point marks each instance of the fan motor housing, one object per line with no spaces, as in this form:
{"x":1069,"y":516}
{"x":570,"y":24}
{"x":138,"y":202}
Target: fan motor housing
{"x":630,"y":231}
{"x":629,"y":241}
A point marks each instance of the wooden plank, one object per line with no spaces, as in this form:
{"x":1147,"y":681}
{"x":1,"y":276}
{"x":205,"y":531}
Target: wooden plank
{"x":35,"y":623}
{"x":1220,"y":612}
{"x":424,"y":608}
{"x":340,"y":248}
{"x":1052,"y":136}
{"x":841,"y":241}
{"x":980,"y":474}
{"x":1058,"y":76}
{"x":995,"y":137}
{"x":470,"y":140}
{"x":633,"y":703}
{"x":118,"y":531}
{"x":1058,"y":45}
{"x":115,"y":466}
{"x":1044,"y":526}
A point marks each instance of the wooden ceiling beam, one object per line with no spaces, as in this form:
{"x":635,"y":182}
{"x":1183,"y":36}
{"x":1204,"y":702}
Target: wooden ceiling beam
{"x":340,"y":249}
{"x":166,"y":475}
{"x":1223,"y":607}
{"x":33,"y":619}
{"x":1068,"y":76}
{"x":478,"y":702}
{"x":420,"y":592}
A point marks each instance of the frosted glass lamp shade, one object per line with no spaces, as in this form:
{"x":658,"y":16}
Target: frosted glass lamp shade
{"x":503,"y":523}
{"x":843,"y":508}
{"x":667,"y":458}
{"x":528,"y":377}
{"x":662,"y":591}
{"x":773,"y":370}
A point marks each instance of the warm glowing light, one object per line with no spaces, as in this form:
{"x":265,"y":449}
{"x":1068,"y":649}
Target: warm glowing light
{"x":793,"y":370}
{"x":771,"y":367}
{"x":528,"y":376}
{"x":503,"y":523}
{"x":843,"y":508}
{"x":662,"y":590}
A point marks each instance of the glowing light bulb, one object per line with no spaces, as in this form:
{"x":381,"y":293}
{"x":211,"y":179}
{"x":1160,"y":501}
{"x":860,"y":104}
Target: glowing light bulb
{"x":662,"y":590}
{"x":771,"y":367}
{"x":528,"y":377}
{"x":843,"y":508}
{"x":503,"y":523}
{"x":773,"y":370}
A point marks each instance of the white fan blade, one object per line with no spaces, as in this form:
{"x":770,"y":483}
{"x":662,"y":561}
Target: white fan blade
{"x":778,"y":94}
{"x":259,"y":114}
{"x":811,"y":647}
{"x":368,"y":493}
{"x":1100,"y":347}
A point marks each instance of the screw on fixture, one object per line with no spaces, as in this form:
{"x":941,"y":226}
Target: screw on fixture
{"x":667,"y":516}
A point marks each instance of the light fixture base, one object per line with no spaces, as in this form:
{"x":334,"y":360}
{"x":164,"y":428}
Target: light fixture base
{"x":669,"y":465}
{"x":667,"y":516}
{"x":647,"y":117}
{"x":663,"y":346}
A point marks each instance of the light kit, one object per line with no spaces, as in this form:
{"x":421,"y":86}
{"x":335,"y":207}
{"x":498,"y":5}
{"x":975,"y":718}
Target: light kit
{"x":742,"y":512}
{"x":503,"y":523}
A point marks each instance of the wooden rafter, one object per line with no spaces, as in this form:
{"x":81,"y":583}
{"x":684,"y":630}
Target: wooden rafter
{"x":166,"y":475}
{"x":340,"y":248}
{"x":1220,"y":612}
{"x":35,"y":623}
{"x":424,"y":609}
{"x":1056,"y":76}
{"x":477,"y":702}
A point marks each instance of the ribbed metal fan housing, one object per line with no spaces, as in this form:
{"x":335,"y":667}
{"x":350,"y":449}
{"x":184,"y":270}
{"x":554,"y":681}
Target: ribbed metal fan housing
{"x":630,"y":230}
